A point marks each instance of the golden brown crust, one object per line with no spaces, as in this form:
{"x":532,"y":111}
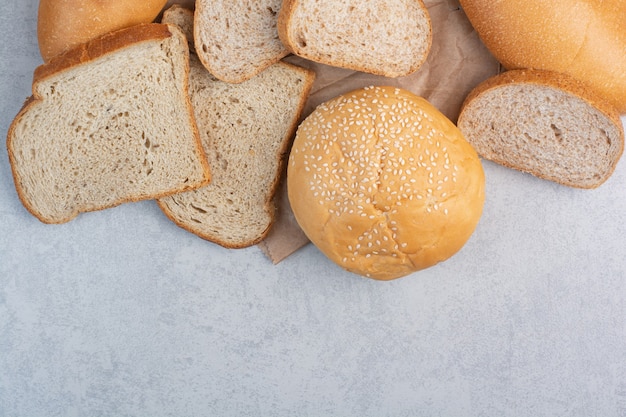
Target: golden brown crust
{"x":556,"y":80}
{"x":583,"y":39}
{"x":384,"y":184}
{"x":100,"y":46}
{"x":62,"y":25}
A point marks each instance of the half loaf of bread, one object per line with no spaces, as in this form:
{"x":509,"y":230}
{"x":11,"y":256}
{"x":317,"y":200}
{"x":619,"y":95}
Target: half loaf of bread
{"x":383,"y":37}
{"x":108,"y":122}
{"x":245,"y":129}
{"x":236,"y":40}
{"x":544,"y":123}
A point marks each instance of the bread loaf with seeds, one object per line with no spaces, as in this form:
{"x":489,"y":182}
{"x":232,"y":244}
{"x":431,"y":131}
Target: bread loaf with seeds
{"x":383,"y":183}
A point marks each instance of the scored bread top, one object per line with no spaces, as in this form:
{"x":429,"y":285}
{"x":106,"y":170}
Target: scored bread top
{"x":545,"y":123}
{"x":383,"y":37}
{"x":109,"y":122}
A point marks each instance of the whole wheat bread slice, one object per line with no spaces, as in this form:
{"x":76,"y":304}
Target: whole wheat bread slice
{"x":383,"y":37}
{"x":108,"y":122}
{"x":236,"y":40}
{"x":246,"y":130}
{"x":544,"y":123}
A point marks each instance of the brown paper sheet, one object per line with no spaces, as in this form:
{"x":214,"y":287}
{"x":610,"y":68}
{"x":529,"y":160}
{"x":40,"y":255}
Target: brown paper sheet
{"x":457,"y":62}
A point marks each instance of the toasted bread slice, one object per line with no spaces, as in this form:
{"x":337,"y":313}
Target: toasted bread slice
{"x":246,"y":129}
{"x":108,"y":122}
{"x":544,"y":123}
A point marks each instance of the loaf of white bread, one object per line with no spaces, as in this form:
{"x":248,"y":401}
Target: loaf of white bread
{"x":383,"y":183}
{"x":544,"y":123}
{"x":383,"y":37}
{"x":584,"y":39}
{"x":246,"y":129}
{"x":109,"y":121}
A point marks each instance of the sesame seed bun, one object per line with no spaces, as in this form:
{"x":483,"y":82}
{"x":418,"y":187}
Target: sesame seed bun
{"x":383,"y":183}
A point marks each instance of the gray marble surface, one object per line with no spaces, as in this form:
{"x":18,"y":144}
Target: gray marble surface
{"x":121,"y":313}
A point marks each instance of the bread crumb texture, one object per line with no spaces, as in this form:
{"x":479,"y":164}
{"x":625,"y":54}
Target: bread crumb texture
{"x":546,"y":124}
{"x":383,"y":183}
{"x":114,"y":129}
{"x":390,"y":38}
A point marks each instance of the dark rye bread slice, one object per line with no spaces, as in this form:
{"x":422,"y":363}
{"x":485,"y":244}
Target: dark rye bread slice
{"x":544,"y":123}
{"x":236,"y":40}
{"x":246,"y":129}
{"x":108,"y":122}
{"x":383,"y":37}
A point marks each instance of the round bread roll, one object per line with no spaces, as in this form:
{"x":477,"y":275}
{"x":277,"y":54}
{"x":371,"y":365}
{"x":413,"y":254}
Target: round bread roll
{"x":383,"y":183}
{"x":61,"y":25}
{"x":585,"y":39}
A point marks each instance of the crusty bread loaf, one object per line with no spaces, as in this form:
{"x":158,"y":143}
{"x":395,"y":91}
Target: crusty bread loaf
{"x":236,"y":40}
{"x":383,"y":183}
{"x":585,"y":39}
{"x":383,"y":37}
{"x":544,"y":123}
{"x":246,"y":129}
{"x":62,"y":25}
{"x":109,"y":122}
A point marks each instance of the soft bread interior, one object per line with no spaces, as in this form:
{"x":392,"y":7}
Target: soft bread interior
{"x":545,"y":131}
{"x":117,"y":129}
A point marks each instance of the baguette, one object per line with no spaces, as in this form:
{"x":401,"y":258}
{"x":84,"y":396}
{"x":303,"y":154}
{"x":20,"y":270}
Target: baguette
{"x":246,"y":129}
{"x":585,"y":39}
{"x":382,"y":37}
{"x":87,"y":140}
{"x":545,"y":123}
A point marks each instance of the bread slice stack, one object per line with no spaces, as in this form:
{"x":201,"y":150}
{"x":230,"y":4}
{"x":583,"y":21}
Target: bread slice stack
{"x":109,"y":121}
{"x":544,"y":123}
{"x":245,"y":130}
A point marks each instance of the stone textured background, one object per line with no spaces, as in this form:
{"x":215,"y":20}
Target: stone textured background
{"x":121,"y":313}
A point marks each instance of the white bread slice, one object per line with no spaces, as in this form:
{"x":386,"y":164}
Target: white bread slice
{"x":109,"y":122}
{"x":544,"y":123}
{"x":246,"y":129}
{"x":382,"y":37}
{"x":236,"y":40}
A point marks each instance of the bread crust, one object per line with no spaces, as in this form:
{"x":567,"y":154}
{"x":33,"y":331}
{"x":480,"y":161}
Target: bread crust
{"x":555,"y":80}
{"x":585,"y":39}
{"x":286,"y":16}
{"x":62,"y":25}
{"x":383,"y":183}
{"x":81,"y":55}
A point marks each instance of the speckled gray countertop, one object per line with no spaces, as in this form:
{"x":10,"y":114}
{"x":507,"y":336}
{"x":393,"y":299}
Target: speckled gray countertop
{"x":121,"y":313}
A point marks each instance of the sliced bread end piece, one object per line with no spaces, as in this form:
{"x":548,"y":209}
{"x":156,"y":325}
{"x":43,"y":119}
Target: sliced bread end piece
{"x":544,"y":123}
{"x":237,"y":40}
{"x":383,"y":37}
{"x":246,"y":129}
{"x":109,"y":122}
